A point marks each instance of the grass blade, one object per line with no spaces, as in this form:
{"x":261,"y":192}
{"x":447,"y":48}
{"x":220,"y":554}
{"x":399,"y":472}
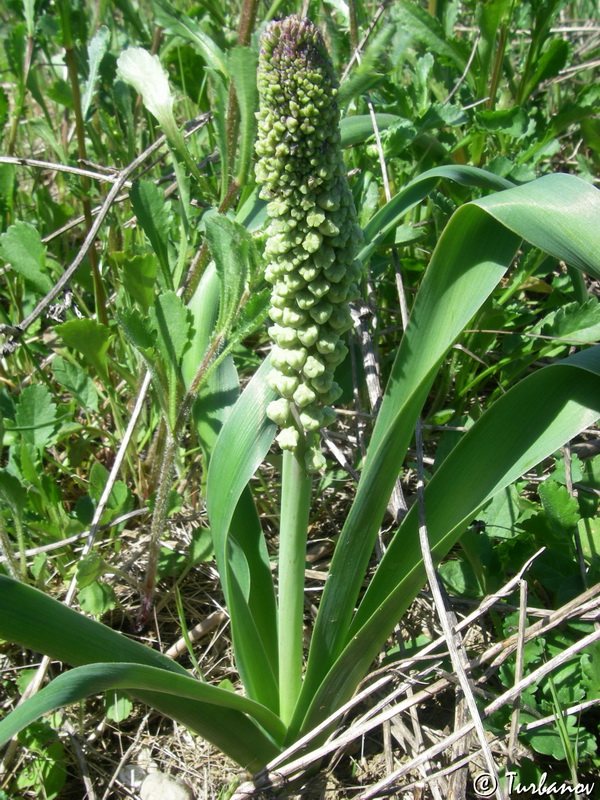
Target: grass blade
{"x":38,"y":622}
{"x":355,"y":130}
{"x":243,"y":64}
{"x":81,"y":682}
{"x":239,"y":545}
{"x":472,"y":255}
{"x":542,"y":412}
{"x":388,"y":217}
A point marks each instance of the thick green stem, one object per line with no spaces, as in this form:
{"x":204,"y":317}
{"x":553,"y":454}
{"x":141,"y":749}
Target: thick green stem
{"x":296,"y":487}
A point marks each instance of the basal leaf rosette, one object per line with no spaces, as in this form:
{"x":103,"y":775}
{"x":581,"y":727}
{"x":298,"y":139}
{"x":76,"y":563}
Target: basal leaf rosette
{"x":313,"y":234}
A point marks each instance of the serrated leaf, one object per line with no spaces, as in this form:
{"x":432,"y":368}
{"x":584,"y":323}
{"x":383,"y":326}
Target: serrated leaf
{"x":575,"y":323}
{"x":36,"y":415}
{"x":22,"y":247}
{"x":590,"y":665}
{"x":252,"y":315}
{"x":96,"y":50}
{"x":148,"y":201}
{"x":221,"y":389}
{"x":138,"y":274}
{"x":90,"y":569}
{"x":561,"y":508}
{"x":510,"y":121}
{"x":172,"y":322}
{"x":12,"y":492}
{"x":229,"y":246}
{"x":97,"y":598}
{"x":179,"y":24}
{"x":91,"y":339}
{"x":138,"y":329}
{"x":98,"y":479}
{"x":549,"y":64}
{"x":440,"y":114}
{"x":77,"y":382}
{"x":425,"y":28}
{"x":41,"y":129}
{"x":201,"y":546}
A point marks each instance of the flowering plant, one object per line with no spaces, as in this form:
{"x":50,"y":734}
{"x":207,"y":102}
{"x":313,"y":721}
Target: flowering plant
{"x":314,"y":256}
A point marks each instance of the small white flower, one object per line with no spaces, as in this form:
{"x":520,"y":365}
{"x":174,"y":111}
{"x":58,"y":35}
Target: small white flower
{"x":146,"y":74}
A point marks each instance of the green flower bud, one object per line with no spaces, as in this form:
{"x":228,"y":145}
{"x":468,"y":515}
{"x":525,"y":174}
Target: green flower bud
{"x":304,"y":395}
{"x":312,"y":419}
{"x":279,"y":411}
{"x":315,"y":460}
{"x":313,"y":235}
{"x":288,"y":438}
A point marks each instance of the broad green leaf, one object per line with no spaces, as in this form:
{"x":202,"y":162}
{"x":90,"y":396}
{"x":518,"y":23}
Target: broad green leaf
{"x":549,"y":64}
{"x":81,"y":682}
{"x":558,"y":213}
{"x":45,"y":774}
{"x":513,"y":122}
{"x":36,"y":621}
{"x":172,"y":323}
{"x":589,"y":536}
{"x":90,"y":338}
{"x":426,"y":29}
{"x":41,"y":129}
{"x":220,"y":104}
{"x":77,"y":382}
{"x":242,"y":445}
{"x":243,"y":64}
{"x":22,"y":247}
{"x":489,"y":17}
{"x":89,"y":569}
{"x":221,"y":389}
{"x":229,"y":246}
{"x":97,"y":598}
{"x":12,"y":492}
{"x":542,"y":412}
{"x":355,"y":130}
{"x":118,"y":496}
{"x":138,"y":329}
{"x":36,"y":415}
{"x":575,"y":323}
{"x":374,"y":64}
{"x":179,"y":24}
{"x":138,"y":274}
{"x":29,"y":14}
{"x":562,"y":509}
{"x":95,"y":50}
{"x":560,"y":216}
{"x":148,"y":201}
{"x":390,"y":215}
{"x":117,"y":706}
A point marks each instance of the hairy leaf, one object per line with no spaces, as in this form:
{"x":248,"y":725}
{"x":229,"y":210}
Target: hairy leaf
{"x":22,"y":247}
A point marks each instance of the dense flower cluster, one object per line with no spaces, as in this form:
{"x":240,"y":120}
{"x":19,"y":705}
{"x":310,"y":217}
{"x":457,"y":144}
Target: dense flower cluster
{"x":313,"y":235}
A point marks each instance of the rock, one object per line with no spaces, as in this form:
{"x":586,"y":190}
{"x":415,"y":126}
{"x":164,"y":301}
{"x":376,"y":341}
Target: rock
{"x":158,"y":786}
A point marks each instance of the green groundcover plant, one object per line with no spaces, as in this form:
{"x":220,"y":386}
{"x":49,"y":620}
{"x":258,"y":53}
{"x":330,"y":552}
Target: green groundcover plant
{"x":315,"y":254}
